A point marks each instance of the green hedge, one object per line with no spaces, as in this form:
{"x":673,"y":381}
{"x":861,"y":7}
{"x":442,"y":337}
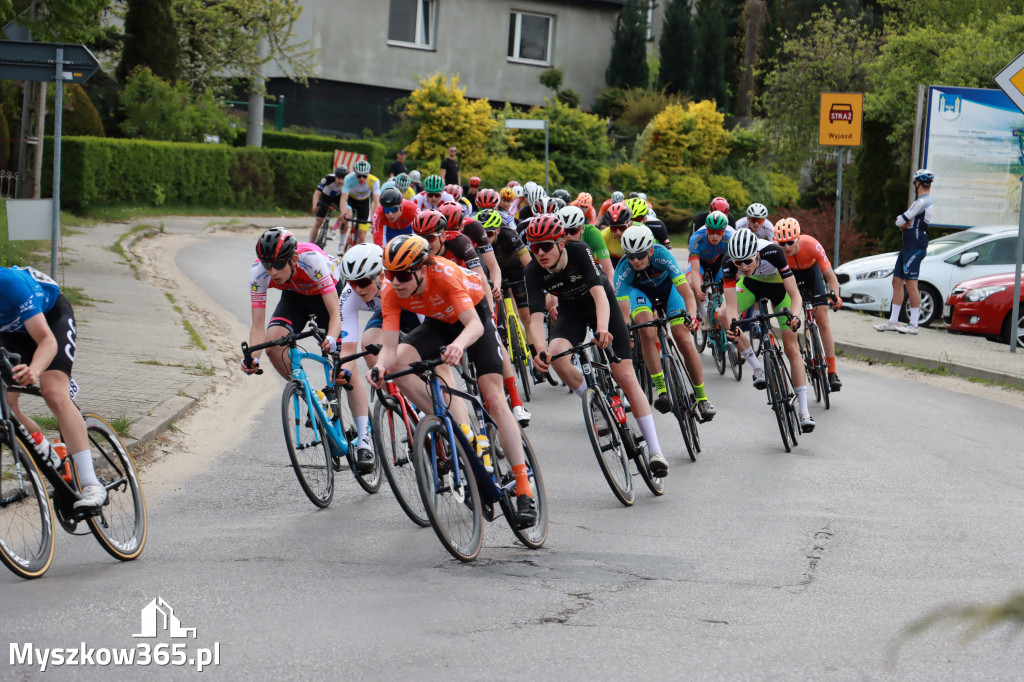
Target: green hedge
{"x":98,"y":171}
{"x":374,"y":151}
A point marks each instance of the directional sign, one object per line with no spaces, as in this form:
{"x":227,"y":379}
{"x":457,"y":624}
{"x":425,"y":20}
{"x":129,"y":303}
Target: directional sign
{"x":840,"y":118}
{"x":26,"y":61}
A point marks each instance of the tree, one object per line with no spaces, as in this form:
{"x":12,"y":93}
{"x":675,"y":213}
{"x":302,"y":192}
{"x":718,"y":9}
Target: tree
{"x":754,"y":17}
{"x":59,"y":21}
{"x":676,"y":47}
{"x":157,"y":110}
{"x":150,"y":39}
{"x":442,"y":116}
{"x":830,"y":54}
{"x":219,"y":41}
{"x":709,"y":66}
{"x":628,"y":65}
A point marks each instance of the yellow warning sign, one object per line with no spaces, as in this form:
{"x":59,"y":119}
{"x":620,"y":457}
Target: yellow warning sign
{"x":841,"y":118}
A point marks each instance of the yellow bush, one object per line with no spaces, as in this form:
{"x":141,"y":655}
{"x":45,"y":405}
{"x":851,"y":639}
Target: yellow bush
{"x":733,"y":191}
{"x":684,"y":139}
{"x":444,"y":117}
{"x":691,"y":191}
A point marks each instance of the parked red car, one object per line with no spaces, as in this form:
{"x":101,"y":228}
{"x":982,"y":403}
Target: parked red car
{"x":984,"y":306}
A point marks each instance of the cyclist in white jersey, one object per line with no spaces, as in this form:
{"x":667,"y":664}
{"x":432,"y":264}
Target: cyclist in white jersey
{"x":757,"y":222}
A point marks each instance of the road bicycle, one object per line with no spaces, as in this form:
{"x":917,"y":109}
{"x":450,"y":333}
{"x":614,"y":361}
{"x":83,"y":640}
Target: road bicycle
{"x":346,"y":237}
{"x":779,"y":385}
{"x":317,"y":430}
{"x":813,"y":350}
{"x":36,"y":485}
{"x":394,"y":423}
{"x":457,"y":490}
{"x":722,"y":350}
{"x":677,"y":380}
{"x":513,"y":335}
{"x":323,"y":234}
{"x":615,"y":438}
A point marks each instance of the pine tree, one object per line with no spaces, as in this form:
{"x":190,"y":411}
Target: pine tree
{"x":709,"y":66}
{"x":150,"y":40}
{"x":628,"y":65}
{"x":676,"y":45}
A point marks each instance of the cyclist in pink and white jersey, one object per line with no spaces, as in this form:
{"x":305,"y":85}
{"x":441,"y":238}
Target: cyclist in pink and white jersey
{"x":309,"y":282}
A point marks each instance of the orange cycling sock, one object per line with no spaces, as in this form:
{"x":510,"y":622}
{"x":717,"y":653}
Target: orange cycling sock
{"x":513,"y":392}
{"x":831,"y":365}
{"x":522,"y":480}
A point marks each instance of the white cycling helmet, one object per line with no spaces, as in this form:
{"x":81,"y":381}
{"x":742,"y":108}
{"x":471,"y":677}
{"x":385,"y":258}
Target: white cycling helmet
{"x":757,"y":211}
{"x":362,"y":261}
{"x":651,"y":215}
{"x":617,"y":197}
{"x":518,"y":191}
{"x":361,"y":167}
{"x":415,"y":177}
{"x":572,"y":216}
{"x":535,"y":193}
{"x":743,"y":245}
{"x":637,"y":239}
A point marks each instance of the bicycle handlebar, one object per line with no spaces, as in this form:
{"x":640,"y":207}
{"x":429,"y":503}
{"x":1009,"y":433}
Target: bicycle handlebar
{"x":821,"y":299}
{"x":765,"y":318}
{"x":10,"y":360}
{"x":661,"y":321}
{"x":414,"y":368}
{"x":582,"y":347}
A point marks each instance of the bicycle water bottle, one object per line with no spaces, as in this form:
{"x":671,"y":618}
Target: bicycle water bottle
{"x":483,"y":446}
{"x":618,"y":410}
{"x":324,"y":403}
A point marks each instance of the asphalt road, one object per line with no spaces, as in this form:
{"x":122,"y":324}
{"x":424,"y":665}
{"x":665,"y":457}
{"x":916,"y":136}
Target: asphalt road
{"x":755,"y":564}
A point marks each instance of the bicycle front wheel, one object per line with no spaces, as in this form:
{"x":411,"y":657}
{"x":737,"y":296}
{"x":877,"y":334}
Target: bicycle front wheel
{"x":820,"y":367}
{"x":393,"y":442}
{"x":26,"y":516}
{"x":642,"y":458}
{"x":519,"y":359}
{"x":611,"y":453}
{"x":682,"y":404}
{"x":323,"y":234}
{"x":450,"y":497}
{"x":773,"y":376}
{"x":700,"y":339}
{"x":370,"y":481}
{"x":719,"y":355}
{"x":121,"y":526}
{"x":534,"y":536}
{"x":735,"y":361}
{"x":308,"y":448}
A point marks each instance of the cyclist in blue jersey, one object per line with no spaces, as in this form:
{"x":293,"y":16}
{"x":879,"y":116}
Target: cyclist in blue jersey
{"x":708,"y":247}
{"x":37,"y":322}
{"x":914,"y":223}
{"x":647,"y":277}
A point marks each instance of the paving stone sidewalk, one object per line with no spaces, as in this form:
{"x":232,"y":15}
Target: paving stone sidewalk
{"x":138,"y":361}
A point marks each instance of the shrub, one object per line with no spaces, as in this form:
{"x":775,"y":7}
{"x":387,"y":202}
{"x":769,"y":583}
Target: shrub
{"x":820,"y":223}
{"x":676,"y":219}
{"x":80,"y":116}
{"x":730,"y":188}
{"x":443,"y":116}
{"x":610,"y":103}
{"x":498,"y":171}
{"x":578,"y":143}
{"x":784,"y":188}
{"x":628,"y":177}
{"x":684,"y":139}
{"x":374,"y":151}
{"x":691,"y":191}
{"x":157,"y":110}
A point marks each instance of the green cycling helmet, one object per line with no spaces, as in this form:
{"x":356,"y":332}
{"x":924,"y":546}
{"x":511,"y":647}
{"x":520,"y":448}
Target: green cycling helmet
{"x":716,"y":220}
{"x":490,"y":219}
{"x":402,"y":181}
{"x":434,"y":184}
{"x":361,"y":167}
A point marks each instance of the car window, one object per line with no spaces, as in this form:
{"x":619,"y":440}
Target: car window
{"x":997,"y":252}
{"x":941,"y":245}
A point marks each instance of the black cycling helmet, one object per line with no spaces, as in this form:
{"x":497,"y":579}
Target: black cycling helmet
{"x":276,"y":244}
{"x":391,"y":197}
{"x":562,"y":194}
{"x":340,"y":172}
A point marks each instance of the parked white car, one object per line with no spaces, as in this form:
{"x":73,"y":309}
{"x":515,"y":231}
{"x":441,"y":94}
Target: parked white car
{"x":866,"y":283}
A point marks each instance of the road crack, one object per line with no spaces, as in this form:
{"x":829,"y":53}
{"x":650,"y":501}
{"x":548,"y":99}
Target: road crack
{"x":819,"y":543}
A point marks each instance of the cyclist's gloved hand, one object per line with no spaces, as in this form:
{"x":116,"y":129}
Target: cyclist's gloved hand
{"x":330,"y":344}
{"x":252,"y":367}
{"x":794,"y":321}
{"x":343,"y":377}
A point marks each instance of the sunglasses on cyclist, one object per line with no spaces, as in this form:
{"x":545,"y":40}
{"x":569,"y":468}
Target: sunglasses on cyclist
{"x":400,"y":275}
{"x":391,"y":209}
{"x":755,"y":221}
{"x":490,"y":233}
{"x":618,"y":228}
{"x":746,"y":261}
{"x":789,"y":243}
{"x":433,"y":236}
{"x":717,"y":233}
{"x":276,"y":264}
{"x":433,"y":195}
{"x":573,"y":230}
{"x":542,"y":247}
{"x":361,"y":283}
{"x":636,"y":256}
{"x":361,"y":177}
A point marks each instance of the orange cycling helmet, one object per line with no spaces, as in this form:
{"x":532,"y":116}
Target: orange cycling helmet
{"x":507,"y":193}
{"x":545,"y":228}
{"x":453,"y":215}
{"x":787,"y":230}
{"x":584,"y":200}
{"x":487,"y":198}
{"x":406,"y":252}
{"x":429,"y":222}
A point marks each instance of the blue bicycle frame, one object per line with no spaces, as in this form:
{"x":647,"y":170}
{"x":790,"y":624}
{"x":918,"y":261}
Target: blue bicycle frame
{"x":339,"y":443}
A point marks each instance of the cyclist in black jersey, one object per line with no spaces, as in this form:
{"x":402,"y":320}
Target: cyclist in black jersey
{"x":585,"y":300}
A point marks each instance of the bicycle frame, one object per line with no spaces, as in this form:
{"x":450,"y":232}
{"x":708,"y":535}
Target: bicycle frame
{"x":334,"y":433}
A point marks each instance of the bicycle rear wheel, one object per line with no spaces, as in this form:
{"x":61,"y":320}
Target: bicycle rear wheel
{"x":642,"y":458}
{"x":773,"y":375}
{"x":700,"y":339}
{"x":452,"y":502}
{"x":323,"y":234}
{"x":534,"y":536}
{"x":682,"y":403}
{"x":121,"y":526}
{"x":308,"y":448}
{"x":395,"y":453}
{"x":26,"y":515}
{"x":611,"y":454}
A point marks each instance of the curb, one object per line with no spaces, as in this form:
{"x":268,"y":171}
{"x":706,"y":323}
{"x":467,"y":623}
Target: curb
{"x":854,"y":351}
{"x":167,"y":412}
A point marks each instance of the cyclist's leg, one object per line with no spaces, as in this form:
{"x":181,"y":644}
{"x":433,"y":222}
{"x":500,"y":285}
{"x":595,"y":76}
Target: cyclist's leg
{"x":684,"y":341}
{"x":358,"y":400}
{"x":291,"y":313}
{"x":424,"y":342}
{"x":567,"y":332}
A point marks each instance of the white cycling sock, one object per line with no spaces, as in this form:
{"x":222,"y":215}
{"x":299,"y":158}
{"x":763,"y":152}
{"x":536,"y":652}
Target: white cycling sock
{"x":646,"y":425}
{"x":915,"y":315}
{"x":704,"y":308}
{"x":581,"y":390}
{"x":801,"y":398}
{"x":751,"y":359}
{"x":86,"y":472}
{"x":363,"y":427}
{"x":894,"y":314}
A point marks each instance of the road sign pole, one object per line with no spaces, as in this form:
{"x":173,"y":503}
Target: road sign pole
{"x":839,"y":208}
{"x":1015,"y":318}
{"x":58,"y":120}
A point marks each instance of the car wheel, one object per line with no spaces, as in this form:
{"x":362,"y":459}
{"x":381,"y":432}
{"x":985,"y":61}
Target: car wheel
{"x":1020,"y":327}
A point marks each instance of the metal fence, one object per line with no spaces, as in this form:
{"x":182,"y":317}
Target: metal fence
{"x":8,"y":184}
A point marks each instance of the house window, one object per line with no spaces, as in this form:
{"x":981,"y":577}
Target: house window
{"x":529,"y":38}
{"x":411,"y":23}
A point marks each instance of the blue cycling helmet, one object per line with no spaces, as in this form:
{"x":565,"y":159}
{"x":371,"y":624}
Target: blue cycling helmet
{"x":924,"y":176}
